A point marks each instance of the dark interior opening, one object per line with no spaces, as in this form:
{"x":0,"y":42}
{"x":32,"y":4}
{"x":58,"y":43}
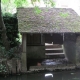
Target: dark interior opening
{"x":50,"y":38}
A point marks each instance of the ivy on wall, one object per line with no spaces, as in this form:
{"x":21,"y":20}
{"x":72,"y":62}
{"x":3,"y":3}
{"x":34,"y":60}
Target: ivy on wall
{"x":11,"y":23}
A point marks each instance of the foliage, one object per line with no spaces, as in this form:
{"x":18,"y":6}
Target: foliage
{"x":37,"y":10}
{"x":8,"y":54}
{"x":5,"y":1}
{"x":6,"y":4}
{"x":11,"y":24}
{"x":8,"y":15}
{"x":19,"y":3}
{"x":49,"y":3}
{"x":64,"y":15}
{"x":3,"y":68}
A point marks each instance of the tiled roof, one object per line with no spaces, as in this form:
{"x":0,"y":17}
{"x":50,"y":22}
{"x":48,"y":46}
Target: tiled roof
{"x":48,"y":20}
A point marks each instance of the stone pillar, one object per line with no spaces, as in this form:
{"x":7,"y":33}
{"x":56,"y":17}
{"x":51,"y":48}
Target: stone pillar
{"x":70,"y":47}
{"x":24,"y":54}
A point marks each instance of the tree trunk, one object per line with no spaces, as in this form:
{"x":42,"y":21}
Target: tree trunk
{"x":3,"y":31}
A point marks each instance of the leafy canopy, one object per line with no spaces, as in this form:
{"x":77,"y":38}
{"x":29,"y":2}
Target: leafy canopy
{"x":11,"y":5}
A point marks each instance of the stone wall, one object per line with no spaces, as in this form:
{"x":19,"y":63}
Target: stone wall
{"x":78,"y":49}
{"x":12,"y":66}
{"x":70,"y":46}
{"x":36,"y":52}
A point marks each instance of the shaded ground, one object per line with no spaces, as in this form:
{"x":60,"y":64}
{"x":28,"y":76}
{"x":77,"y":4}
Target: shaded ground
{"x":34,"y":62}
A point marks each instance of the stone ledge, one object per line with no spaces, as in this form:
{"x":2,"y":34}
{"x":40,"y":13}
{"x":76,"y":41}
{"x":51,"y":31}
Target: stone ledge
{"x":53,"y":68}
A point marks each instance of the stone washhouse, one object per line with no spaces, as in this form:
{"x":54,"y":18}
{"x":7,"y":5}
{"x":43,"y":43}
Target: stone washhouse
{"x":45,"y":25}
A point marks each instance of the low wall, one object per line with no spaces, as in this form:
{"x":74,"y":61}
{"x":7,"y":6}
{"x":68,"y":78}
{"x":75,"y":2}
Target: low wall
{"x":12,"y":66}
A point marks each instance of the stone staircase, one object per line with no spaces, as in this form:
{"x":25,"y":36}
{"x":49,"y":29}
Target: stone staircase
{"x":54,"y":51}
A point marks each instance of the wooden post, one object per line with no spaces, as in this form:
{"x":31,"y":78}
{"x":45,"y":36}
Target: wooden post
{"x":24,"y":54}
{"x":42,"y":40}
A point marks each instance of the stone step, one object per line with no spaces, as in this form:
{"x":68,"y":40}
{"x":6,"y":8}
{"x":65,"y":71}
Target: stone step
{"x":52,"y":67}
{"x":53,"y":46}
{"x":54,"y":54}
{"x":53,"y":51}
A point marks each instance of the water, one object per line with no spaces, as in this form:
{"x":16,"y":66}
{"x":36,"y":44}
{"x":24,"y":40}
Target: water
{"x":68,"y":75}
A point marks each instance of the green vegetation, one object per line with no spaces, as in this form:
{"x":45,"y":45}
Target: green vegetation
{"x":37,"y":10}
{"x":3,"y":68}
{"x":11,"y":24}
{"x":49,"y":3}
{"x":8,"y":54}
{"x":64,"y":15}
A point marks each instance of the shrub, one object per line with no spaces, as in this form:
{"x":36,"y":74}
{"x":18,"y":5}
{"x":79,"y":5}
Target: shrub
{"x":8,"y":54}
{"x":3,"y":68}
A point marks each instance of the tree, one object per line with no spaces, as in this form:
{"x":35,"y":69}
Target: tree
{"x":18,"y":3}
{"x":3,"y":31}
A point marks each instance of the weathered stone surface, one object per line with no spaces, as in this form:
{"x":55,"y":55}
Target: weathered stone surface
{"x":24,"y":54}
{"x":49,"y":20}
{"x":70,"y":47}
{"x":18,"y":66}
{"x":53,"y":68}
{"x":23,"y":62}
{"x":14,"y":65}
{"x":78,"y":49}
{"x":24,"y":43}
{"x":9,"y":63}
